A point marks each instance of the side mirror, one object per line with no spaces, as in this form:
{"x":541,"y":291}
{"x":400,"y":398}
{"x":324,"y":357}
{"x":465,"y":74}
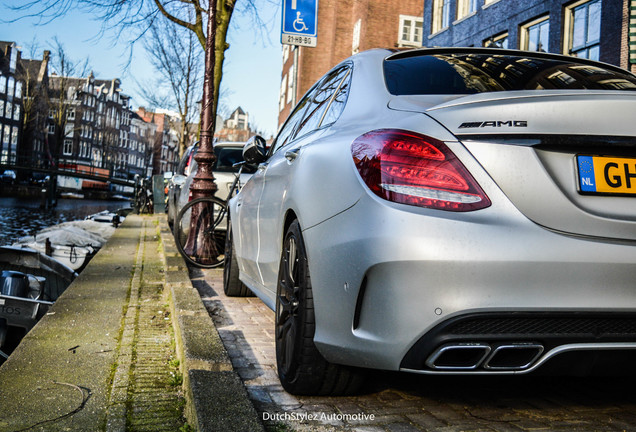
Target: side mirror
{"x":254,"y":151}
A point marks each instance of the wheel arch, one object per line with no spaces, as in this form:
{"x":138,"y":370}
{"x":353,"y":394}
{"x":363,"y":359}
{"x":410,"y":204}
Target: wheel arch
{"x":290,"y":216}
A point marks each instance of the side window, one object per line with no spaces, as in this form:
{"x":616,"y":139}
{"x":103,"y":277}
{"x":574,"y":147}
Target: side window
{"x":338,"y":102}
{"x":286,"y":132}
{"x":319,"y":102}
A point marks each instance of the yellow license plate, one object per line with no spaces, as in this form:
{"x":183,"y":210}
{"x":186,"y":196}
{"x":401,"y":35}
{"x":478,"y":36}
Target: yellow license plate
{"x":607,"y":175}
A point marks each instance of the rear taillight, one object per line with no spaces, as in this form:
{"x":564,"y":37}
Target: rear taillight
{"x":410,"y":168}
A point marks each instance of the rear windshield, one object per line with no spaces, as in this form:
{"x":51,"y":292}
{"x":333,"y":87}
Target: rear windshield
{"x":486,"y":72}
{"x":228,"y":156}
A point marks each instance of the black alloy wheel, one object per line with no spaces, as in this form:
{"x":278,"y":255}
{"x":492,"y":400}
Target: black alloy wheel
{"x":302,"y":370}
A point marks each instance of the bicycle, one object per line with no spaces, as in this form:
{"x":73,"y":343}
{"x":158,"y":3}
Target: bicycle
{"x":143,"y":196}
{"x":205,"y":246}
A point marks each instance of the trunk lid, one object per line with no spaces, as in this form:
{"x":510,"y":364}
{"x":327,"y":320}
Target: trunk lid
{"x":549,"y":150}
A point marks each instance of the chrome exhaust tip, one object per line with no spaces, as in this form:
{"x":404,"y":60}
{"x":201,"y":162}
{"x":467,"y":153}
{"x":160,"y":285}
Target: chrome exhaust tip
{"x":515,"y":356}
{"x":458,"y":356}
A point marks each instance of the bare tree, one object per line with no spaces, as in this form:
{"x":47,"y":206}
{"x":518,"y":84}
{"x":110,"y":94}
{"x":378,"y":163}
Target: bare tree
{"x":136,"y":18}
{"x":175,"y":55}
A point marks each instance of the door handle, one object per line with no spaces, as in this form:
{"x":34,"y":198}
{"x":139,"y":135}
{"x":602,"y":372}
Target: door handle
{"x":291,"y":155}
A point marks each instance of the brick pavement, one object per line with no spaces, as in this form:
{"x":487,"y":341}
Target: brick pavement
{"x":406,"y":402}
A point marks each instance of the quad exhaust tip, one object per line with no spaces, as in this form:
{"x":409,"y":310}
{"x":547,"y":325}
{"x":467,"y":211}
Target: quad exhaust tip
{"x":472,"y":355}
{"x":459,"y":356}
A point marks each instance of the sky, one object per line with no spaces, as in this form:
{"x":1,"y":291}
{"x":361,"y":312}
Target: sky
{"x":251,"y":71}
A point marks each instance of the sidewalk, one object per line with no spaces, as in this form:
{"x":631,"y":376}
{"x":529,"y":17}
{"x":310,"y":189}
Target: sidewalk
{"x":128,"y":347}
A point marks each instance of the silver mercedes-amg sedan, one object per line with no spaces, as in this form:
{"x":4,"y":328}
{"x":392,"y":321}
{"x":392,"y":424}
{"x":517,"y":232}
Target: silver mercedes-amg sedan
{"x":445,"y":211}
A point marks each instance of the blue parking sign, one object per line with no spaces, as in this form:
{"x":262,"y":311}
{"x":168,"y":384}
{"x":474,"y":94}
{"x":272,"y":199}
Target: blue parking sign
{"x":300,"y":22}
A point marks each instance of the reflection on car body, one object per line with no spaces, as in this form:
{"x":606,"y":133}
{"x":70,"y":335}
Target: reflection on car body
{"x":428,"y":211}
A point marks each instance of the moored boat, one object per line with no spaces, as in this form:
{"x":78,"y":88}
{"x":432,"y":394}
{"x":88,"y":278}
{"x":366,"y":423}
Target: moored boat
{"x":29,"y":284}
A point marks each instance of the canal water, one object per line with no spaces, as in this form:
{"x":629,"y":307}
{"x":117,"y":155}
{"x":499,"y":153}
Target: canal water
{"x":22,"y":216}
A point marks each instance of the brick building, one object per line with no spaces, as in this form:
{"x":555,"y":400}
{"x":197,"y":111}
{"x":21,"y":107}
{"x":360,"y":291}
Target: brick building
{"x":346,"y":27}
{"x":166,"y":141}
{"x":89,"y":128}
{"x":595,"y":29}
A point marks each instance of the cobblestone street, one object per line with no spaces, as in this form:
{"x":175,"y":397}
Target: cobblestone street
{"x":406,"y":402}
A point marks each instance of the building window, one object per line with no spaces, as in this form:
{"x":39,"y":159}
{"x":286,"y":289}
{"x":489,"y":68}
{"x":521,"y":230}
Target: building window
{"x":355,"y":42}
{"x":16,"y":113}
{"x":498,"y":41}
{"x":14,"y":136}
{"x":97,"y":157}
{"x":9,"y":110}
{"x":10,"y":86}
{"x":465,"y":8}
{"x":583,"y":34}
{"x":534,"y":35}
{"x":67,"y":150}
{"x":410,"y":31}
{"x":441,"y":15}
{"x":290,"y":83}
{"x":3,"y":84}
{"x":13,"y":60}
{"x":52,"y":128}
{"x":1,"y":108}
{"x":7,"y":134}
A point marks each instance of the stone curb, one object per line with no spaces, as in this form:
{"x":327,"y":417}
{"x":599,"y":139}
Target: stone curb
{"x":216,"y":399}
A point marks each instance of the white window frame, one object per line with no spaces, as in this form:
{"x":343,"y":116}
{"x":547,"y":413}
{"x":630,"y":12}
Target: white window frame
{"x":441,"y":15}
{"x":415,"y":24}
{"x":355,"y":39}
{"x":493,"y":40}
{"x":465,"y":8}
{"x":568,"y":35}
{"x":524,"y":41}
{"x":67,"y":148}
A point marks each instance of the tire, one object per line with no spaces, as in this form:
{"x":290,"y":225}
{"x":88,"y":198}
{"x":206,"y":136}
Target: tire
{"x":232,"y":286}
{"x":197,"y":248}
{"x":170,"y":213}
{"x":302,"y":370}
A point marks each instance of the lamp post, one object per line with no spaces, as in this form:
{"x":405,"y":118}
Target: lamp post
{"x":198,"y":244}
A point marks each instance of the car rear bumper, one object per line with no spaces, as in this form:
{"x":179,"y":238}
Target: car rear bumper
{"x":395,"y":273}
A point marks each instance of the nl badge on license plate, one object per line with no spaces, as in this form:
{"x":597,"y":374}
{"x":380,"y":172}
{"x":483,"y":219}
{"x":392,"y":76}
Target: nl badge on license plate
{"x":607,"y":175}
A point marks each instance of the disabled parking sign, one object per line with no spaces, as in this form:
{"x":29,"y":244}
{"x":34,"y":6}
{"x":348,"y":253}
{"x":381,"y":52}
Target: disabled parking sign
{"x":300,"y":22}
